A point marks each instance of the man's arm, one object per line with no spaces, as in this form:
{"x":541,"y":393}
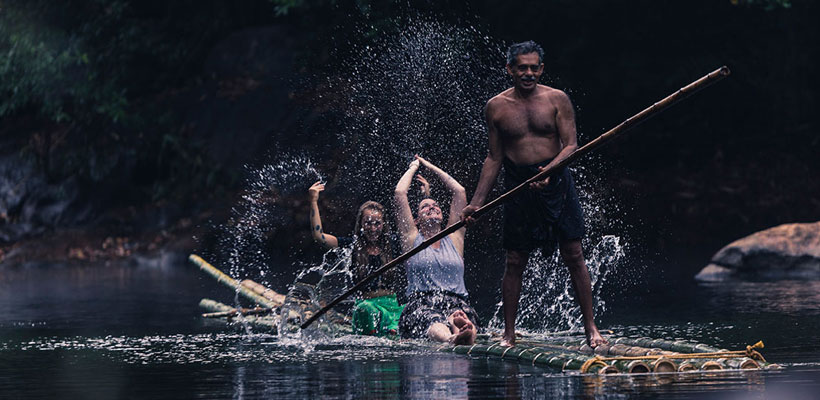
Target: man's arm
{"x":489,"y":171}
{"x":565,"y":122}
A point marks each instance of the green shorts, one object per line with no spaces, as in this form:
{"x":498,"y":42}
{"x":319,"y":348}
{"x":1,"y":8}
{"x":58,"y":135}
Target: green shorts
{"x":377,"y":316}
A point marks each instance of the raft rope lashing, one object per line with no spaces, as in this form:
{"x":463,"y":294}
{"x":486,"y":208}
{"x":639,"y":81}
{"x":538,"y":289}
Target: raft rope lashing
{"x":750,"y":352}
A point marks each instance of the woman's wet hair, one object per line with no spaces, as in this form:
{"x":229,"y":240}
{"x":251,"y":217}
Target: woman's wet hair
{"x":524,"y":48}
{"x":359,"y":255}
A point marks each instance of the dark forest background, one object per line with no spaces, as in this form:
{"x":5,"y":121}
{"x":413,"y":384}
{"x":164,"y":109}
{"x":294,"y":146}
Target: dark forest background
{"x":129,"y":123}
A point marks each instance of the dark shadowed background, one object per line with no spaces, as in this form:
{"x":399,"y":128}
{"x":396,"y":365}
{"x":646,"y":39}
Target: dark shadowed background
{"x":130,"y":126}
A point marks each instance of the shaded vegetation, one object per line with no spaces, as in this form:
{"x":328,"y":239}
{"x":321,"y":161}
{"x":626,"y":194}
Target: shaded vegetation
{"x":99,"y":91}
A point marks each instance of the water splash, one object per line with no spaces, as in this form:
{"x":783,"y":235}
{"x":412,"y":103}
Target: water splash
{"x":243,"y":240}
{"x":421,"y":90}
{"x":547,"y":298}
{"x":314,"y":287}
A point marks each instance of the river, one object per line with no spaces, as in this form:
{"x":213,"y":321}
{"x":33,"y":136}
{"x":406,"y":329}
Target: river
{"x":133,"y":330}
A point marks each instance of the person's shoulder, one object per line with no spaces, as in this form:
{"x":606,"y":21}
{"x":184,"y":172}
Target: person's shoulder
{"x":499,"y":100}
{"x":552,"y":93}
{"x":345,"y":241}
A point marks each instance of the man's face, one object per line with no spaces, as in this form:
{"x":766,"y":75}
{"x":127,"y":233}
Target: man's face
{"x":526,"y":71}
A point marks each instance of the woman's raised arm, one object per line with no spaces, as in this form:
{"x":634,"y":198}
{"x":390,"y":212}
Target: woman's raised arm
{"x":404,"y":217}
{"x":316,"y":231}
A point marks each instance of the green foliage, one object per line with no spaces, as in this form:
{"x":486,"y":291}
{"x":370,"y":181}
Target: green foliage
{"x":51,"y":68}
{"x":94,"y":67}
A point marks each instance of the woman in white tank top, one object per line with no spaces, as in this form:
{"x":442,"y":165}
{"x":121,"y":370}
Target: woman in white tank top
{"x":437,"y":306}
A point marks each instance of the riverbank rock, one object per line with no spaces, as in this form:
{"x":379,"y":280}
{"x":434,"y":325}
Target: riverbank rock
{"x":785,"y":251}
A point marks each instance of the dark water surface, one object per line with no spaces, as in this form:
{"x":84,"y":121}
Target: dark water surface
{"x":130,"y":331}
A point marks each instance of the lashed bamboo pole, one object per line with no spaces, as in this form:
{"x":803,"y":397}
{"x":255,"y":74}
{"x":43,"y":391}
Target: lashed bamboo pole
{"x":547,"y":357}
{"x":240,"y":312}
{"x":632,"y":366}
{"x":741,"y":363}
{"x":616,"y":349}
{"x":268,"y":322}
{"x":275,"y":298}
{"x":686,"y":366}
{"x":669,"y":345}
{"x":663,"y":365}
{"x":630,"y":122}
{"x":226,"y":280}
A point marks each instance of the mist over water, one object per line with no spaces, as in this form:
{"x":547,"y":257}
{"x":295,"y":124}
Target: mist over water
{"x":420,"y":90}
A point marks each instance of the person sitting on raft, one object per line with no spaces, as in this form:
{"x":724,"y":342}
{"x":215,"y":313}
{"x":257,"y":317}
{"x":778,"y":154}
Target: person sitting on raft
{"x":377,"y":312}
{"x":437,"y":305}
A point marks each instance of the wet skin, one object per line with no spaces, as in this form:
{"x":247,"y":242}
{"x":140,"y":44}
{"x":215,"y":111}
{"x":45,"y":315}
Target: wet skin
{"x":372,"y":226}
{"x":527,"y":124}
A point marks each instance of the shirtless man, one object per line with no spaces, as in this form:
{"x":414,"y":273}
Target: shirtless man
{"x":532,"y":127}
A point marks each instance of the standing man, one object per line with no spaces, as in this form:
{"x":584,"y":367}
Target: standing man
{"x":531,"y":127}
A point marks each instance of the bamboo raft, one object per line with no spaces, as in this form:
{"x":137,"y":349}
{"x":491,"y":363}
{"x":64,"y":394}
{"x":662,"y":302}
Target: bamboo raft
{"x":562,"y":352}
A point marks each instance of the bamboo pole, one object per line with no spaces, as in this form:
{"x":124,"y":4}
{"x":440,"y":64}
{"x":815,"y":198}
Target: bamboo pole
{"x":711,"y":365}
{"x":214,"y":306}
{"x":663,"y":365}
{"x":265,"y":292}
{"x":556,"y":358}
{"x":741,"y":363}
{"x":632,"y":367}
{"x":630,"y":122}
{"x":241,"y":312}
{"x":669,"y":345}
{"x":267,"y":322}
{"x":686,"y":366}
{"x":226,"y":280}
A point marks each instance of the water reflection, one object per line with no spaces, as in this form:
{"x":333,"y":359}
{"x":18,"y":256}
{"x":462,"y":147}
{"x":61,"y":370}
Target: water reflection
{"x":797,"y":298}
{"x":442,"y":377}
{"x":135,"y":330}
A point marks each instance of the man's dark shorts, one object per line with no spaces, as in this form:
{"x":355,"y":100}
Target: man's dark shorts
{"x":537,"y":218}
{"x":426,"y":308}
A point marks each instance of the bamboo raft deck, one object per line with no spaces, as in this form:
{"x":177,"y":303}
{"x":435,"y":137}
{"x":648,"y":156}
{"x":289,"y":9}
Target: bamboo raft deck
{"x":560,"y":352}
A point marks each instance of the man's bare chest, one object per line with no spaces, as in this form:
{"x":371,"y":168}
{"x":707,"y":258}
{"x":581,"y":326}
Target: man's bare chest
{"x":516,"y":122}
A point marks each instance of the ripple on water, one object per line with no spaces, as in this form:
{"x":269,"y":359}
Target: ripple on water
{"x":228,"y":348}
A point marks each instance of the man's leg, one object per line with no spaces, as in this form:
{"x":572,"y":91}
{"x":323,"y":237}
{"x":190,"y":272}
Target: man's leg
{"x":511,"y":291}
{"x":573,"y":256}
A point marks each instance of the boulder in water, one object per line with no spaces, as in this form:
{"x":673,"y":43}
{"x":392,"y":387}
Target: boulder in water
{"x":785,"y":251}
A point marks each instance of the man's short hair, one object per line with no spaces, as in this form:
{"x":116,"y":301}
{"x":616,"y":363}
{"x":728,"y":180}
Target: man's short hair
{"x":524,"y":48}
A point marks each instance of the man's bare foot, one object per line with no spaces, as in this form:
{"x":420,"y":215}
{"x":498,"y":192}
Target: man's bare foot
{"x":507,"y":342}
{"x":594,"y":338}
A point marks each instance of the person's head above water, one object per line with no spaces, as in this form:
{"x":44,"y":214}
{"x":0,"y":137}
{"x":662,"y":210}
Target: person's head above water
{"x":428,"y":215}
{"x":525,"y":63}
{"x":370,"y":221}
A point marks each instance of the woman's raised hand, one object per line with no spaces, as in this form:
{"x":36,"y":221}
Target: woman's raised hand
{"x":423,"y":162}
{"x":314,"y":190}
{"x":425,"y":186}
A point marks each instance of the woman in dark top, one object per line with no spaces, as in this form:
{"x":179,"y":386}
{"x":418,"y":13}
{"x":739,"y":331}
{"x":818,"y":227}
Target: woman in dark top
{"x":377,"y":312}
